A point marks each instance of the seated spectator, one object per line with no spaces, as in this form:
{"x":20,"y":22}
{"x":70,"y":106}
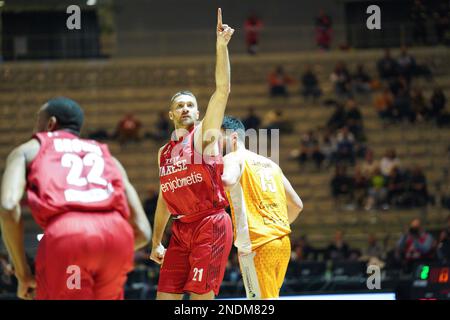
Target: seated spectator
{"x":310,"y":84}
{"x":274,"y":119}
{"x":303,"y":250}
{"x":415,"y":246}
{"x":341,"y":80}
{"x":161,"y":128}
{"x":342,"y":185}
{"x":384,"y":104}
{"x":388,"y":162}
{"x":128,"y":129}
{"x":328,"y":147}
{"x":438,"y":103}
{"x":374,"y":249}
{"x":443,"y":247}
{"x":419,"y":106}
{"x":387,"y":66}
{"x":396,"y":188}
{"x":369,"y":164}
{"x":402,"y":106}
{"x":278,"y":82}
{"x":418,"y":188}
{"x":361,"y":80}
{"x":338,"y":250}
{"x":377,"y":191}
{"x":309,"y":149}
{"x":360,"y":186}
{"x":406,"y":64}
{"x":251,"y":121}
{"x":99,"y":134}
{"x":345,"y":146}
{"x":337,"y":119}
{"x":353,"y":120}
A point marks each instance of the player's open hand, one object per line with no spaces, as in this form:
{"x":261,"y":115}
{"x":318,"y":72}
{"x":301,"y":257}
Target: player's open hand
{"x":224,"y":32}
{"x":158,"y":253}
{"x":26,"y":288}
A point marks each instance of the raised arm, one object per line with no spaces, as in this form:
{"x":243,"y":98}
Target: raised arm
{"x":162,"y":216}
{"x":13,"y":187}
{"x":294,"y":203}
{"x":138,"y":219}
{"x":218,"y":102}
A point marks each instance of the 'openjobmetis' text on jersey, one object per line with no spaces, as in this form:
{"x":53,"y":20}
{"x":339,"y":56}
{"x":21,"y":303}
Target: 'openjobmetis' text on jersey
{"x":190,"y":187}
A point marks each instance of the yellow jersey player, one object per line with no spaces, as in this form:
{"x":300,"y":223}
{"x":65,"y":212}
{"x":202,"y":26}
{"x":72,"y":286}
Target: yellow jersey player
{"x":263,"y":205}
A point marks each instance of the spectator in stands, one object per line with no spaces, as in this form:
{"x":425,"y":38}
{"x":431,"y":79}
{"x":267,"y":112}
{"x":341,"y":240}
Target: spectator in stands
{"x":377,"y":191}
{"x":396,"y":188}
{"x":278,"y":82}
{"x":328,"y":147}
{"x":374,"y":249}
{"x":252,"y":27}
{"x":443,"y":247}
{"x":361,"y":184}
{"x":128,"y":129}
{"x":150,"y":203}
{"x":419,"y":16}
{"x":438,"y":103}
{"x":309,"y":149}
{"x":310,"y":84}
{"x":402,"y":106}
{"x":418,"y":188}
{"x":338,"y":250}
{"x":419,"y":105}
{"x":337,"y":119}
{"x":251,"y":121}
{"x":414,"y":246}
{"x":163,"y":126}
{"x":323,"y":30}
{"x":388,"y":162}
{"x":369,"y":164}
{"x":342,"y":185}
{"x":384,"y":105}
{"x":345,"y":146}
{"x":361,"y":80}
{"x":99,"y":134}
{"x":274,"y":119}
{"x":406,"y":64}
{"x":387,"y":66}
{"x":354,"y":120}
{"x":8,"y":282}
{"x":302,"y":250}
{"x":442,"y":23}
{"x":341,"y":80}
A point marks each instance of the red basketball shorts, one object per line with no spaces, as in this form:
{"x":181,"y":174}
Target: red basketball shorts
{"x":84,"y":256}
{"x":197,"y":255}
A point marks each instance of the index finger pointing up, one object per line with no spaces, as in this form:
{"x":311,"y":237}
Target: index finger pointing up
{"x":219,"y":18}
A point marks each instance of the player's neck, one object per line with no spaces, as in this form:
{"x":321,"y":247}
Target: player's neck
{"x":239,"y":147}
{"x":181,"y":132}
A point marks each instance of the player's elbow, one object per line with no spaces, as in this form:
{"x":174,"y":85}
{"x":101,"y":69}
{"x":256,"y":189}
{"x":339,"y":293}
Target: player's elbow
{"x":223,"y":90}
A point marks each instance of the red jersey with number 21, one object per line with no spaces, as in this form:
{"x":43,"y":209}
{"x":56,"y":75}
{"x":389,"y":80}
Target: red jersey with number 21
{"x":70,"y":174}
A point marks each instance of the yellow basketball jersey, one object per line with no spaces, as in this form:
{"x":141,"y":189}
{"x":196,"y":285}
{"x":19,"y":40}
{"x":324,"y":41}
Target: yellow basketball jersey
{"x":258,"y":203}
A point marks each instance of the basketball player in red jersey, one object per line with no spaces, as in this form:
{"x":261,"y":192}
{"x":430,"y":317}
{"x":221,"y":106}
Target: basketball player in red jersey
{"x":81,"y":196}
{"x":192,"y":192}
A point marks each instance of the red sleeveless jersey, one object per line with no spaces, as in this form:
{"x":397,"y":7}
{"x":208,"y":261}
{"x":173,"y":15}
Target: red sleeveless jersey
{"x":191,"y":184}
{"x":70,"y":174}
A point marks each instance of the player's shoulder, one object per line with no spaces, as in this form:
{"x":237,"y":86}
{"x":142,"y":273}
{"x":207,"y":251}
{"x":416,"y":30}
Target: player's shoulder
{"x":250,"y":155}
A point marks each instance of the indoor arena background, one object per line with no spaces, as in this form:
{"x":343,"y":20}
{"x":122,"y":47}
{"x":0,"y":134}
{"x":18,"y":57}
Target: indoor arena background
{"x":355,"y":104}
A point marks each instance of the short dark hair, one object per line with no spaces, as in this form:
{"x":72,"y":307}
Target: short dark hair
{"x":234,"y":124}
{"x":67,"y":112}
{"x":180,"y":93}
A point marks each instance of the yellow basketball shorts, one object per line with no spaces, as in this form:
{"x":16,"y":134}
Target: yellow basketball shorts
{"x":264,"y":269}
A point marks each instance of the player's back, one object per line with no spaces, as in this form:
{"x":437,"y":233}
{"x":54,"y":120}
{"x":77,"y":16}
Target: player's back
{"x":258,"y":202}
{"x":70,"y":174}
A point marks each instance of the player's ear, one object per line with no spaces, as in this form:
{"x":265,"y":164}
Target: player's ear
{"x":52,"y":124}
{"x":170,"y":115}
{"x":197,"y":115}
